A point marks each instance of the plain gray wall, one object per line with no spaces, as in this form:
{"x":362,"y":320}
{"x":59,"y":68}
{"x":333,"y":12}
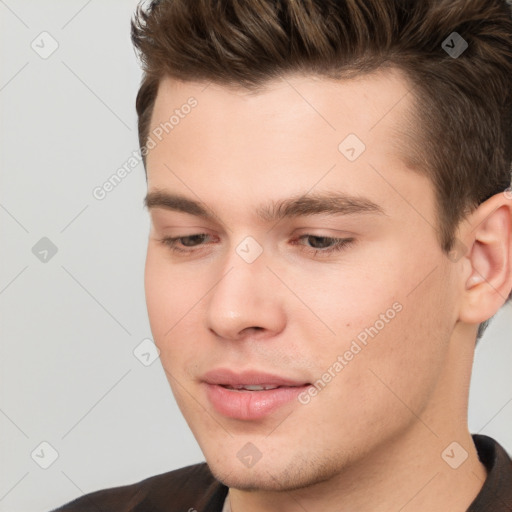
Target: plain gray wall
{"x":69,"y":325}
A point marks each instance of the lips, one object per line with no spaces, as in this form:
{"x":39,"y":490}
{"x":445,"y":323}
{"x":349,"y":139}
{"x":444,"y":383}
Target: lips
{"x":226,"y":377}
{"x":250,"y":395}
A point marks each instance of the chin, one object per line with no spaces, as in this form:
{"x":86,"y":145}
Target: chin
{"x":269,"y":477}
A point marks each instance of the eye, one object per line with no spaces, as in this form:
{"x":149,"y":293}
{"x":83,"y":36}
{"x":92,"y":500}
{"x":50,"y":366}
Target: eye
{"x":323,"y":245}
{"x":317,"y":245}
{"x":190,"y":241}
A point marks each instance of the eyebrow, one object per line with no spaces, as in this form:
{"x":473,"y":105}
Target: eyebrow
{"x":330,"y":203}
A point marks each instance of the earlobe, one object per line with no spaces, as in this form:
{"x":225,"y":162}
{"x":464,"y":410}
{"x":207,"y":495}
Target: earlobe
{"x":488,"y":235}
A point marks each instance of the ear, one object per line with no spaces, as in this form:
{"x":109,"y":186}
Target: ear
{"x":487,"y":274}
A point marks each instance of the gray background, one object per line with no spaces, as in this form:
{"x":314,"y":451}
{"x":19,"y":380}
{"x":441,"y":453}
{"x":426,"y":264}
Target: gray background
{"x":70,"y":324}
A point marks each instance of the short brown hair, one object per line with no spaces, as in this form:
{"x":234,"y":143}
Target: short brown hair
{"x":462,"y":131}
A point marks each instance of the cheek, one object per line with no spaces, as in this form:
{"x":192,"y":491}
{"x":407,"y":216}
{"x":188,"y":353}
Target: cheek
{"x":173,"y":298}
{"x":166,"y":296}
{"x":346,"y":298}
{"x":399,"y":355}
{"x":384,"y":325}
{"x":377,"y":291}
{"x":377,"y":383}
{"x":159,"y":296}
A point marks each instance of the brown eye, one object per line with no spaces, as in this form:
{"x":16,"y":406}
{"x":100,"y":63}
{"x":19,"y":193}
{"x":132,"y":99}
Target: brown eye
{"x":188,"y":243}
{"x":320,"y":242}
{"x":192,"y":238}
{"x":323,"y":245}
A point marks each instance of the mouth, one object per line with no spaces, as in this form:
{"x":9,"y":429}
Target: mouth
{"x":251,"y":380}
{"x":250,"y":395}
{"x":253,"y":387}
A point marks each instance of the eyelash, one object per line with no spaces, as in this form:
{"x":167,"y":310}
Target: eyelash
{"x":339,"y":244}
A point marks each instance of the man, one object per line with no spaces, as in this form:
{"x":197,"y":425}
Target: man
{"x":331,"y":229}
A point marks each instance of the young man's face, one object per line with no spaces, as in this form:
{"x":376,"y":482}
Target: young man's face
{"x":371,"y":320}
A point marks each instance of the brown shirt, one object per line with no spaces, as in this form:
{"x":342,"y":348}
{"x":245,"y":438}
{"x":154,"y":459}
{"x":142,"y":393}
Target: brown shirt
{"x":194,"y":489}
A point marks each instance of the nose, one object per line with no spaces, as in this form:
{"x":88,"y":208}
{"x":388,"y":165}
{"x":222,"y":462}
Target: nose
{"x":246,"y":301}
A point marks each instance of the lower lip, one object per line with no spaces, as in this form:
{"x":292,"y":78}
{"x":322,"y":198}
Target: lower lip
{"x":250,"y":405}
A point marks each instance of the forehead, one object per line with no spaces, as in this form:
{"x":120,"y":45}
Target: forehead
{"x":292,"y":109}
{"x":361,"y":98}
{"x":288,"y":135}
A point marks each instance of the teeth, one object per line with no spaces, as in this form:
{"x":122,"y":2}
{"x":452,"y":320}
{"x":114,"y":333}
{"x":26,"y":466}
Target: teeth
{"x":259,"y":388}
{"x":252,"y":388}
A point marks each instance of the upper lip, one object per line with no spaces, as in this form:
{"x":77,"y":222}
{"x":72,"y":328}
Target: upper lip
{"x":227,"y":377}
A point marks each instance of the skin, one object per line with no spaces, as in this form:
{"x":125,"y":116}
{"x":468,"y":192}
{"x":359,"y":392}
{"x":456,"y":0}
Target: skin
{"x":373,"y":438}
